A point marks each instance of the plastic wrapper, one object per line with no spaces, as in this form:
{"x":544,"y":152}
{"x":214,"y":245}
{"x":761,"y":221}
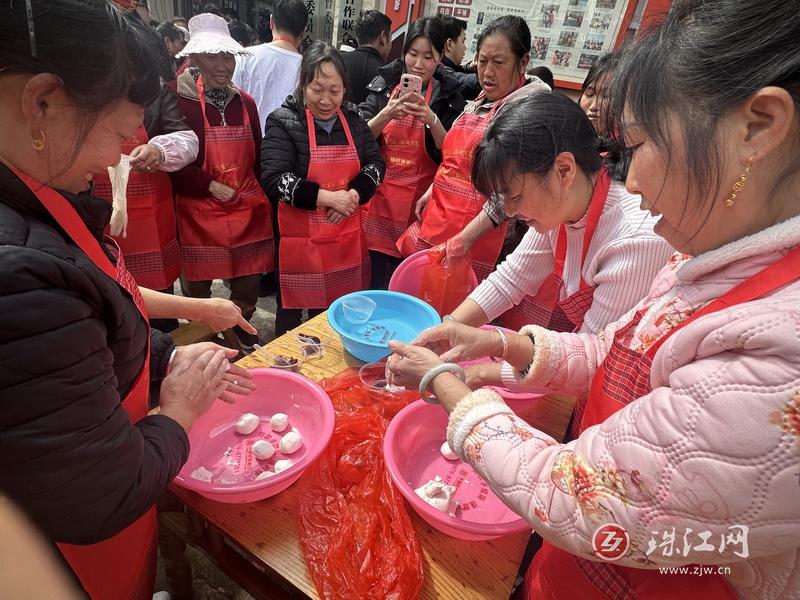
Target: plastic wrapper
{"x":357,"y":537}
{"x":118,"y":174}
{"x":447,"y":279}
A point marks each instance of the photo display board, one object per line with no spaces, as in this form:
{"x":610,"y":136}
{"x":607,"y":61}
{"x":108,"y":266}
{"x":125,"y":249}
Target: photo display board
{"x":567,"y":36}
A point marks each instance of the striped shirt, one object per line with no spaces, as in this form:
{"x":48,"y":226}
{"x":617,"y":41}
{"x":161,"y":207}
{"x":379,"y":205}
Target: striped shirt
{"x":623,"y":259}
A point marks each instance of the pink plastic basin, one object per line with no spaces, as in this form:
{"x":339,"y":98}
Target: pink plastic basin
{"x":411,"y":450}
{"x":217,"y":447}
{"x":407,"y":277}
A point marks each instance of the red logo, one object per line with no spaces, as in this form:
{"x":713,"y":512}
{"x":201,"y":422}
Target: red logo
{"x":610,"y":542}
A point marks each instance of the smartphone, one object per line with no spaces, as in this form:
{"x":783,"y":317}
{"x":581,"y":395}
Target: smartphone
{"x":410,"y":83}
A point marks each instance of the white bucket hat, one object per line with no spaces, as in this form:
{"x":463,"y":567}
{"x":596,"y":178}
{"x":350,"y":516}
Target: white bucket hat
{"x":208,"y":34}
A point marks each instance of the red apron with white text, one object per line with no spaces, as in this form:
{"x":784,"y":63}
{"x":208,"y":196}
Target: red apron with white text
{"x":150,"y":246}
{"x":623,"y":377}
{"x":224,"y":240}
{"x":455,"y":201}
{"x":320,"y":261}
{"x":544,"y":308}
{"x":409,"y":172}
{"x":122,"y":567}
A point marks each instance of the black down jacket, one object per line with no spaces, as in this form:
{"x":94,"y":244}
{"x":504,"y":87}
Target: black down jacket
{"x":71,"y":345}
{"x":285,"y":155}
{"x":446,"y":100}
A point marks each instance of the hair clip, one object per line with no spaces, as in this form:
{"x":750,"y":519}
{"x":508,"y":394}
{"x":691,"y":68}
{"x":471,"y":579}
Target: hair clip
{"x":31,"y":32}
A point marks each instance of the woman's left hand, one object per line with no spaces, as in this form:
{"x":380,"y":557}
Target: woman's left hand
{"x":408,"y":364}
{"x":220,"y":314}
{"x":236,"y":379}
{"x":146,"y":157}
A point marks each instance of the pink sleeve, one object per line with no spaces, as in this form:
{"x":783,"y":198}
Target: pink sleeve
{"x":713,"y":447}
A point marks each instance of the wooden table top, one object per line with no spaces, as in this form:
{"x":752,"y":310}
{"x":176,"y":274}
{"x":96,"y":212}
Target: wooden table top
{"x":454,"y":569}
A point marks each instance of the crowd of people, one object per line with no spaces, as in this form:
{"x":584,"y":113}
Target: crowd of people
{"x":640,"y":247}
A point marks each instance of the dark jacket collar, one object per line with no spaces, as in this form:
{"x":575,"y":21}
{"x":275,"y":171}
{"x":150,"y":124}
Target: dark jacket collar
{"x":449,"y":63}
{"x":389,"y":76}
{"x":369,"y":50}
{"x":94,"y":211}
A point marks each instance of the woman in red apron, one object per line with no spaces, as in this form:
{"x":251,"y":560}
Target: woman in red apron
{"x":452,"y":201}
{"x":320,"y":164}
{"x":587,"y":239}
{"x":224,"y":219}
{"x":81,"y":456}
{"x":410,"y":131}
{"x":687,"y":452}
{"x":148,"y":238}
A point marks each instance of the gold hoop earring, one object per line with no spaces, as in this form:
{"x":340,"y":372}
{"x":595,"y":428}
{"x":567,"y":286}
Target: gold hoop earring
{"x":730,"y":201}
{"x":38,"y":142}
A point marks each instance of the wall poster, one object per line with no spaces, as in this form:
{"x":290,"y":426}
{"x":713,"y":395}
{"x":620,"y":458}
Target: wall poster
{"x":567,"y":36}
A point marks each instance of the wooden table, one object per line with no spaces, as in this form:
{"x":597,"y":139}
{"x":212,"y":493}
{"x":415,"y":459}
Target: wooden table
{"x":257,"y":544}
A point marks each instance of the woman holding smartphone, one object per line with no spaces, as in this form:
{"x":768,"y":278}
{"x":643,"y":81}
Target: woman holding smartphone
{"x":410,"y":107}
{"x":503,"y":53}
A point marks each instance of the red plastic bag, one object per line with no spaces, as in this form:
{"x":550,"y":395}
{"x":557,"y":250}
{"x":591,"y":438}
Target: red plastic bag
{"x":356,"y":535}
{"x":447,"y":280}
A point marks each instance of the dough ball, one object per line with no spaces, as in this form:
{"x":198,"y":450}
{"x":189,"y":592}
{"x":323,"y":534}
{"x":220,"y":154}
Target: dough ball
{"x":262,"y":450}
{"x":282,"y":465}
{"x":247,"y":424}
{"x":264,"y":475}
{"x":202,"y":474}
{"x":279,"y":422}
{"x":291,"y":442}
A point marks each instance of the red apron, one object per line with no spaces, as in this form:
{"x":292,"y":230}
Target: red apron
{"x":151,"y":247}
{"x":545,"y":309}
{"x":319,"y":261}
{"x":234,"y":239}
{"x":455,"y":201}
{"x":623,"y":377}
{"x":124,"y":566}
{"x":409,"y":172}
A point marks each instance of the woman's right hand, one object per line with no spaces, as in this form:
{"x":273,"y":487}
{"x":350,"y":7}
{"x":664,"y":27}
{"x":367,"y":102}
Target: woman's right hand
{"x":421,"y":204}
{"x":192,"y":385}
{"x":483,"y":374}
{"x":454,"y":342}
{"x":221,"y":192}
{"x":344,"y":202}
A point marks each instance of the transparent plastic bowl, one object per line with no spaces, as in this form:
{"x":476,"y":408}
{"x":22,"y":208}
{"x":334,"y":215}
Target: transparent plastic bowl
{"x":214,"y":443}
{"x":411,"y":449}
{"x":358,"y":309}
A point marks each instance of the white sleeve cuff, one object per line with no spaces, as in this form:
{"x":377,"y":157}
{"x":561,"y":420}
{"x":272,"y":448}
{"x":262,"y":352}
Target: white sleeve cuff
{"x":179,"y":148}
{"x":478,"y":406}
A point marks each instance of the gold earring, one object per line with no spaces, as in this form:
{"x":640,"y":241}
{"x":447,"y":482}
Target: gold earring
{"x":730,"y":201}
{"x":38,"y":142}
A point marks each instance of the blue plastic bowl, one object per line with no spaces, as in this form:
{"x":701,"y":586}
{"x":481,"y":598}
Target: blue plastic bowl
{"x":397,"y":317}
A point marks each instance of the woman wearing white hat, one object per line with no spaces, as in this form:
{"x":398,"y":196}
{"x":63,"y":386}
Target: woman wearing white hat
{"x":224,"y":218}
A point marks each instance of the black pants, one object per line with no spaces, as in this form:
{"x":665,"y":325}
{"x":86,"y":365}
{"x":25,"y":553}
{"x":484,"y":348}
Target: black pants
{"x":244,"y":291}
{"x":383,"y":267}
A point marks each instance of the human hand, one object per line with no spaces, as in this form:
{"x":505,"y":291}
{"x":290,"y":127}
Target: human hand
{"x":483,"y":374}
{"x":454,"y":342}
{"x":341,"y":201}
{"x":408,"y":364}
{"x":221,"y":314}
{"x":334,"y":217}
{"x":192,"y":385}
{"x":421,"y":204}
{"x":221,"y":192}
{"x":395,"y":107}
{"x":236,"y":378}
{"x":416,"y":106}
{"x":146,"y":157}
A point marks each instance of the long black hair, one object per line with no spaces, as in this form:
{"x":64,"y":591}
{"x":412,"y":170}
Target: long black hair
{"x":526,"y":135}
{"x":705,"y":60}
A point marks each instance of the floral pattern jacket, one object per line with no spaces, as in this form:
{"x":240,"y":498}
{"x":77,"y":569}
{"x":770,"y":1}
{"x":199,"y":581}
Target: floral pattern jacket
{"x":703,"y":469}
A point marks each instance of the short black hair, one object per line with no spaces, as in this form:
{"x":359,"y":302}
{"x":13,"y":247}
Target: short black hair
{"x":241,"y":32}
{"x":212,"y":8}
{"x":526,"y":135}
{"x":371,"y":25}
{"x":544,"y":74}
{"x":290,"y":16}
{"x":452,"y":27}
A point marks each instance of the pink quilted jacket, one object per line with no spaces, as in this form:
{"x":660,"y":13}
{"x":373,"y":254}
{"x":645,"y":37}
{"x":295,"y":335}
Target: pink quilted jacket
{"x":703,"y":470}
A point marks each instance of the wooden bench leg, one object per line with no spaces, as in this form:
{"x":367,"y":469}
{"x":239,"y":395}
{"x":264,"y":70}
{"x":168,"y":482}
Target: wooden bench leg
{"x":176,"y":564}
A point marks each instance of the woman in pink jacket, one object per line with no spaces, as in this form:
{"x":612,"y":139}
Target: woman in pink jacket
{"x":690,"y":443}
